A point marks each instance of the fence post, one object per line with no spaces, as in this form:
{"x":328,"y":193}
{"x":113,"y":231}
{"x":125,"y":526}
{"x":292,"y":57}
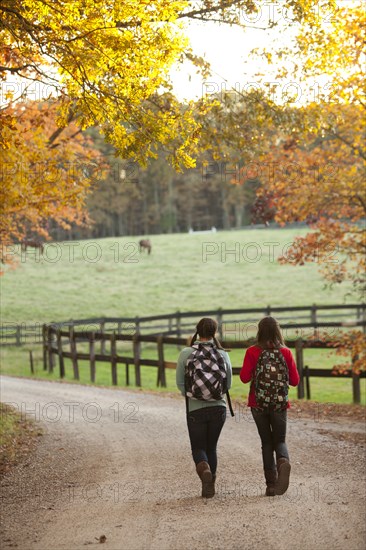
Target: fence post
{"x":313,"y":317}
{"x":73,"y":353}
{"x":102,"y":342}
{"x":300,"y":367}
{"x":314,"y":320}
{"x":44,"y":338}
{"x":356,"y":388}
{"x":219,"y":322}
{"x":307,"y":381}
{"x":92,"y":356}
{"x":114,"y":358}
{"x":127,"y":373}
{"x":49,"y":346}
{"x":18,"y":336}
{"x":161,"y":368}
{"x":136,"y":359}
{"x":60,"y":356}
{"x":31,"y":361}
{"x":178,"y":324}
{"x":137,"y":325}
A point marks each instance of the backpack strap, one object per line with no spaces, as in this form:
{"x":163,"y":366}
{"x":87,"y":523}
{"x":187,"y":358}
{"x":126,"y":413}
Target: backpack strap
{"x":229,"y":403}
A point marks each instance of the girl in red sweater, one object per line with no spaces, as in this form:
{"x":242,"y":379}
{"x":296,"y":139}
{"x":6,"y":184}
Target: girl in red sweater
{"x":271,"y":423}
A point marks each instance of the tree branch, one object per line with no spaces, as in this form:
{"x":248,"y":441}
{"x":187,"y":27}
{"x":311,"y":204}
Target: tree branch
{"x":57,"y":132}
{"x":341,"y":138}
{"x":212,"y":9}
{"x":15,"y":69}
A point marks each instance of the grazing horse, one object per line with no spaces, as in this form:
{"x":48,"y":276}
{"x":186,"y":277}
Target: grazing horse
{"x":31,"y":243}
{"x":145,"y":243}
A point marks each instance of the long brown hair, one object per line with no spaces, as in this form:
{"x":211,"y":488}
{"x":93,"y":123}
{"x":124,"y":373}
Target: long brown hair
{"x":207,"y":328}
{"x":269,"y":333}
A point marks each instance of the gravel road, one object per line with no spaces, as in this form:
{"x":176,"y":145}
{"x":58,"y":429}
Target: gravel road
{"x":116,"y":464}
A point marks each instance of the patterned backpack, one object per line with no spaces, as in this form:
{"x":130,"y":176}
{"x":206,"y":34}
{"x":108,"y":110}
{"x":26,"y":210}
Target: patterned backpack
{"x":271,"y":380}
{"x":205,"y":373}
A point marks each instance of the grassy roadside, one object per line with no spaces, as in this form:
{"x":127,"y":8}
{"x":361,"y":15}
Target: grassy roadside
{"x":18,"y":437}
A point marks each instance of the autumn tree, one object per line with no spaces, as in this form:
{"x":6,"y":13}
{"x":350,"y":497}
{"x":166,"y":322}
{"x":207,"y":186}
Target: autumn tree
{"x":101,"y":62}
{"x":44,"y":174}
{"x":109,"y":62}
{"x":319,"y":166}
{"x":319,"y":163}
{"x":108,"y":65}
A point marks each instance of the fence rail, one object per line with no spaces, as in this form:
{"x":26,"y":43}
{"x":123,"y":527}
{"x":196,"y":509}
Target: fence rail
{"x":61,"y":341}
{"x":55,"y":339}
{"x":179,"y":324}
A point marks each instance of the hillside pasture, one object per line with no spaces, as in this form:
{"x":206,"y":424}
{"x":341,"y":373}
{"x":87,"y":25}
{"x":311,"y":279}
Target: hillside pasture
{"x":109,"y":277}
{"x":186,"y":272}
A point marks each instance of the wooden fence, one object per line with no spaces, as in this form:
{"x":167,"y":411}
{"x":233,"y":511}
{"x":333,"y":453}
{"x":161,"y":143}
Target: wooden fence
{"x":56,"y":339}
{"x":60,"y":341}
{"x":231,"y":321}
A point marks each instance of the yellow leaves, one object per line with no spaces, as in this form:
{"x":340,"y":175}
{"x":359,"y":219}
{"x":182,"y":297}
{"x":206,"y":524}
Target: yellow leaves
{"x":110,"y":57}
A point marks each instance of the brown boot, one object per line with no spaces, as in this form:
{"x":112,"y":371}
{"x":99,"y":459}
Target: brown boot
{"x":283,"y":468}
{"x":210,"y":488}
{"x":204,"y":472}
{"x":271,"y":478}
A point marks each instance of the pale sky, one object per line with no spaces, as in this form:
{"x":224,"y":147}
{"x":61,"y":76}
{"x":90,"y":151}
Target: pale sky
{"x":228,"y":51}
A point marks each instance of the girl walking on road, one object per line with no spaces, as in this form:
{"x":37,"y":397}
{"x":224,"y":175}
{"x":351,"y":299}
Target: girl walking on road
{"x":203,"y":376}
{"x":270,"y":367}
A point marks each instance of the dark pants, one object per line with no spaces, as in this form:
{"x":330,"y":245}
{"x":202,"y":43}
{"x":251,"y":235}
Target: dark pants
{"x":204,"y":428}
{"x":271,"y":427}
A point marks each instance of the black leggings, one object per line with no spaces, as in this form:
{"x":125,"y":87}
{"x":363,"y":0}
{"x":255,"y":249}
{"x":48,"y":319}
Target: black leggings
{"x":271,"y":427}
{"x":204,"y":428}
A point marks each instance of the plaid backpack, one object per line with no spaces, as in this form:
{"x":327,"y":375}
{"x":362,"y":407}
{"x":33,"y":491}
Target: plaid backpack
{"x":205,"y":373}
{"x":271,"y":380}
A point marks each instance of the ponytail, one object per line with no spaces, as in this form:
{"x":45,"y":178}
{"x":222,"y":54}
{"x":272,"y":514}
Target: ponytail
{"x":194,"y":338}
{"x":207,"y":328}
{"x":217,"y":343}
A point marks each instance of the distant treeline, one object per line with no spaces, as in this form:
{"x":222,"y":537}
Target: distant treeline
{"x":127,"y":199}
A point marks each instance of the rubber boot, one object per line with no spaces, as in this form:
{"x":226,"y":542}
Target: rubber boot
{"x":204,"y":472}
{"x":271,"y":478}
{"x":283,"y":469}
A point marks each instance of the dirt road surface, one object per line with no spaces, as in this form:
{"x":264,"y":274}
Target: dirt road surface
{"x":117,"y":464}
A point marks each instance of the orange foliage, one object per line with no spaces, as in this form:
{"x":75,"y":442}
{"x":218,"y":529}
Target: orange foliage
{"x":46,"y":172}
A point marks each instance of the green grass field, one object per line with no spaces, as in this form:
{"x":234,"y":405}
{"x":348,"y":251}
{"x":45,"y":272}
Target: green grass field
{"x":108,"y":277}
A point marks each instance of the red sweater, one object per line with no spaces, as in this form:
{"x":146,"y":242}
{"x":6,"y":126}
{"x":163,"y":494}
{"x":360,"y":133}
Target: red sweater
{"x":250,"y":360}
